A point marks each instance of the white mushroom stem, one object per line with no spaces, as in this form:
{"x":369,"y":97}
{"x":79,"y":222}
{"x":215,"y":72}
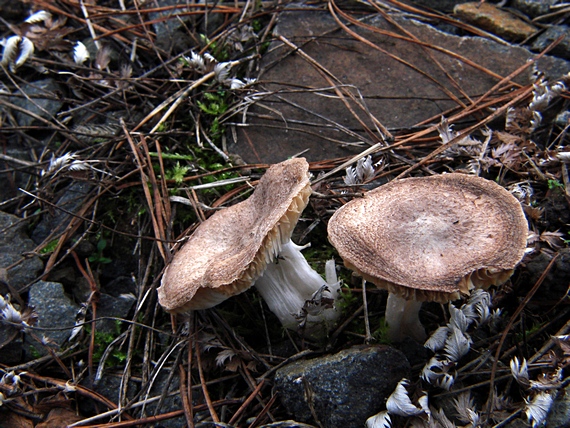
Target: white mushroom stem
{"x":402,"y":317}
{"x":294,"y":292}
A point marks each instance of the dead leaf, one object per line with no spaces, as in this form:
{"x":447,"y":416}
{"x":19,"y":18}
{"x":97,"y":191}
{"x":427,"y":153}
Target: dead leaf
{"x":519,"y":121}
{"x":225,"y":356}
{"x":48,"y":34}
{"x":553,"y":239}
{"x":509,"y":154}
{"x":563,"y":343}
{"x":507,"y":138}
{"x":9,"y":419}
{"x":59,"y":417}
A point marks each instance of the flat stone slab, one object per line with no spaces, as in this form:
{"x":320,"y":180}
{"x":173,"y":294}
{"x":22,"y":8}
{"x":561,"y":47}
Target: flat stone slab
{"x":398,"y":83}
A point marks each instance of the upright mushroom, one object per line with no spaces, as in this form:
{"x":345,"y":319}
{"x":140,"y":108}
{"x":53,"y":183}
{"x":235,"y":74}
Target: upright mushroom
{"x":229,"y":251}
{"x":430,"y":239}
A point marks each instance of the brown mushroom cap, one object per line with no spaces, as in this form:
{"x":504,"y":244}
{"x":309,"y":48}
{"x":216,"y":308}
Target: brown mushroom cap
{"x":432,"y":238}
{"x":229,"y":250}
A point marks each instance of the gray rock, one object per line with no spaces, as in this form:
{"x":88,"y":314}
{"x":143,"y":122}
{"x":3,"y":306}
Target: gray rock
{"x":533,"y":8}
{"x":559,"y":415}
{"x":552,"y":33}
{"x":167,"y":385}
{"x":54,"y":310}
{"x":22,"y":268}
{"x":109,"y":386}
{"x":57,"y":221}
{"x":556,"y":282}
{"x":42,"y":99}
{"x":344,"y":389}
{"x":13,"y":174}
{"x":13,"y":10}
{"x":519,"y":423}
{"x":563,"y":119}
{"x":12,"y":345}
{"x":115,"y":307}
{"x":285,"y":424}
{"x":163,"y":397}
{"x":441,"y":5}
{"x":120,"y":285}
{"x":169,"y":34}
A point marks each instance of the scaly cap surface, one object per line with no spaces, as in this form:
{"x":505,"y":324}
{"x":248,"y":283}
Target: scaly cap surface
{"x":230,"y":250}
{"x":432,"y":238}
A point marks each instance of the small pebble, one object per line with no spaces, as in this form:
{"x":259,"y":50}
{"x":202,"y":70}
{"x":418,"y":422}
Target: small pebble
{"x":494,"y":20}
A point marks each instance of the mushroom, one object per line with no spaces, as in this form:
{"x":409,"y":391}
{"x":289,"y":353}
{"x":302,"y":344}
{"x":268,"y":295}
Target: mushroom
{"x":430,"y":239}
{"x":229,"y":251}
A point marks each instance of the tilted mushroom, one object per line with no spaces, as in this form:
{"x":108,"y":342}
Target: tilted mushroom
{"x":229,"y":251}
{"x":430,"y":239}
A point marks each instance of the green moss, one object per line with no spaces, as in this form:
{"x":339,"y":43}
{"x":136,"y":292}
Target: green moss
{"x":98,"y":257}
{"x":49,"y":247}
{"x":381,"y":333}
{"x":347,"y":300}
{"x":177,"y":173}
{"x":103,"y":340}
{"x":214,"y":105}
{"x":555,"y":185}
{"x":521,"y":336}
{"x":217,"y":50}
{"x":173,"y":156}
